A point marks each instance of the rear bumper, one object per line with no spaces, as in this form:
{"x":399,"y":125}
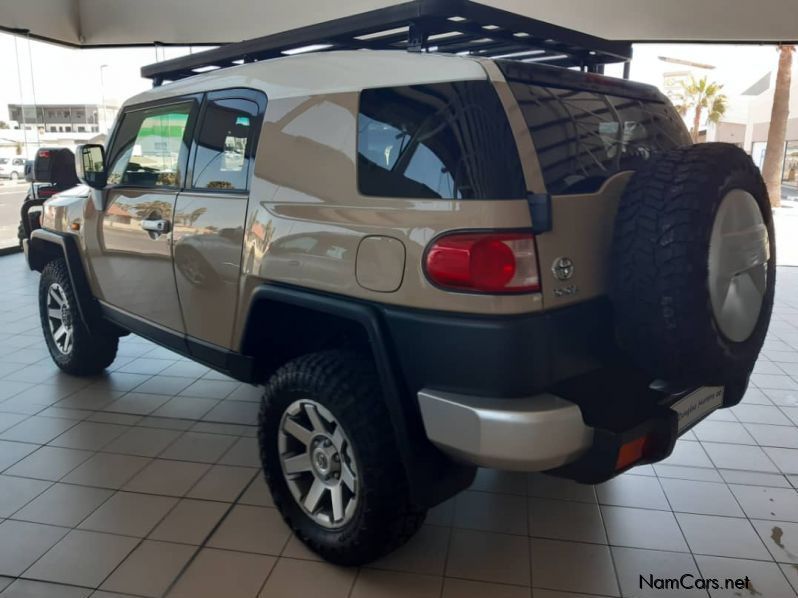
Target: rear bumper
{"x":531,"y":434}
{"x":548,"y":433}
{"x":500,"y":356}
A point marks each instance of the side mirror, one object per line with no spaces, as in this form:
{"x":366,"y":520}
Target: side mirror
{"x":90,"y":165}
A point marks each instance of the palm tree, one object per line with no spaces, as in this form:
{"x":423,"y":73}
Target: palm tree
{"x":777,"y":131}
{"x":700,"y":95}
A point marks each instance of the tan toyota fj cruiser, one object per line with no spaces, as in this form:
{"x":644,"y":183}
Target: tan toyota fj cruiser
{"x":431,"y":262}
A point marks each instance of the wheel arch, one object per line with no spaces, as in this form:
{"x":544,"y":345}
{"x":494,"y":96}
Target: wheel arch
{"x":277,"y":310}
{"x":45,"y":246}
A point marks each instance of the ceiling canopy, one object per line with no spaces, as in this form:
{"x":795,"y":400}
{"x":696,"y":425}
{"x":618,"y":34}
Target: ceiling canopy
{"x":93,"y":23}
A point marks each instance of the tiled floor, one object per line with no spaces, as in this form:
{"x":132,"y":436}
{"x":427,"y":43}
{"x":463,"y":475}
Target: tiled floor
{"x":145,"y":482}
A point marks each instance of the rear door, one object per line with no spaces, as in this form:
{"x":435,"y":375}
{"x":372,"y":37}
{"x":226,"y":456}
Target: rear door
{"x":147,"y":166}
{"x":210,"y":213}
{"x":590,"y":133}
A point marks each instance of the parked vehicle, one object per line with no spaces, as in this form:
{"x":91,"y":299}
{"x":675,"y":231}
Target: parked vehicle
{"x":12,"y":168}
{"x":431,"y":262}
{"x":51,"y":172}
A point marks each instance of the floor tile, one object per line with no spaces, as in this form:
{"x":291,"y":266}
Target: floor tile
{"x":689,"y":453}
{"x":90,"y":436}
{"x":63,"y":504}
{"x":371,"y":583}
{"x":234,"y":412}
{"x":766,"y":579}
{"x":760,"y":502}
{"x":15,"y":493}
{"x":82,"y":558}
{"x":49,"y":463}
{"x":129,"y":514}
{"x":195,"y":446}
{"x":682,"y":472}
{"x":137,"y":403}
{"x":545,"y":486}
{"x":26,"y":588}
{"x":37,"y":429}
{"x":258,"y":494}
{"x":106,"y":470}
{"x":461,"y":588}
{"x":566,"y":520}
{"x":738,"y":456}
{"x":186,"y":407}
{"x":731,"y":432}
{"x":722,"y":536}
{"x":209,"y":389}
{"x":223,"y":482}
{"x":215,"y":573}
{"x":244,"y":453}
{"x":424,"y":553}
{"x":150,"y":569}
{"x":503,"y":482}
{"x":190,"y":522}
{"x":708,"y":498}
{"x":144,"y":442}
{"x":13,"y":452}
{"x":252,"y":529}
{"x":771,"y":435}
{"x":760,"y":414}
{"x":22,"y":543}
{"x":491,"y":512}
{"x":643,"y":528}
{"x":632,"y":491}
{"x":779,"y":537}
{"x":164,"y":385}
{"x":554,"y":564}
{"x":173,"y":478}
{"x":486,"y":556}
{"x":634,"y":563}
{"x":785,"y":459}
{"x":754,"y":478}
{"x":293,"y":578}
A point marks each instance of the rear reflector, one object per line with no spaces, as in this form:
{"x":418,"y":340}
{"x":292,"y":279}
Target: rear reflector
{"x":484,"y":262}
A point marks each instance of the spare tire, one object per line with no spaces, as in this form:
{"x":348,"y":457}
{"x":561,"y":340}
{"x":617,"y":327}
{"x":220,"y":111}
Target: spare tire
{"x":693,"y":267}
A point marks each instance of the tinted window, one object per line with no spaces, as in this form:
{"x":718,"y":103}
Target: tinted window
{"x":447,"y":140}
{"x":583,"y":137}
{"x":150,"y":147}
{"x":223,"y":149}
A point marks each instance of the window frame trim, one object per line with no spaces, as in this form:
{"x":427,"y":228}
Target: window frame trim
{"x":188,"y":135}
{"x":261,"y":100}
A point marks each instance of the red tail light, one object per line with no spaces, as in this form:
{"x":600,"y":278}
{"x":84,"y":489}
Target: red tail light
{"x":484,"y":262}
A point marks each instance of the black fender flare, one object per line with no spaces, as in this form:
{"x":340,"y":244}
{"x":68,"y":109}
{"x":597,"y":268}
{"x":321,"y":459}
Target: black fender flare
{"x":432,"y":476}
{"x":46,"y":245}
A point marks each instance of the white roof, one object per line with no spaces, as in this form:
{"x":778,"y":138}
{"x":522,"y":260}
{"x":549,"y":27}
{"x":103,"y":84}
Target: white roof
{"x":326,"y":72}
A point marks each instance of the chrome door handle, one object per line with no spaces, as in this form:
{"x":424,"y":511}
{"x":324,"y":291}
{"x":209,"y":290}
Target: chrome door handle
{"x":156,"y":226}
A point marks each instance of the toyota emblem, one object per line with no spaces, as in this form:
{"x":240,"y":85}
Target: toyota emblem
{"x":563,"y":268}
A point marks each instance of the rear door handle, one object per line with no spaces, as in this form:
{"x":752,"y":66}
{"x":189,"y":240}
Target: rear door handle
{"x":156,"y":226}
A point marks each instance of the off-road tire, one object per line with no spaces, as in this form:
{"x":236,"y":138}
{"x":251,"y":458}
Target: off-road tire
{"x":345,"y":384}
{"x":91,"y":352}
{"x":660,"y":267}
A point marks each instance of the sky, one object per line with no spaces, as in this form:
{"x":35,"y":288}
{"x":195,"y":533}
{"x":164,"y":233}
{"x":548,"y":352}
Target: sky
{"x":66,"y":75}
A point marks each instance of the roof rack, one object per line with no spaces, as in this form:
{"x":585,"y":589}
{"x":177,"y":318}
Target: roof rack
{"x":450,"y":26}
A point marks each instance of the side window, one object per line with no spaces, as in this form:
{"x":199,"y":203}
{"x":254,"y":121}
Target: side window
{"x":445,"y":140}
{"x":150,"y":145}
{"x":224,"y":145}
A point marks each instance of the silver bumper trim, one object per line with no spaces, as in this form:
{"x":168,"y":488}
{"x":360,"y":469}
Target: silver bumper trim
{"x":526,"y":434}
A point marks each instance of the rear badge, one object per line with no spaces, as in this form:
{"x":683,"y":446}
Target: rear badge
{"x":563,"y":268}
{"x":697,"y":405}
